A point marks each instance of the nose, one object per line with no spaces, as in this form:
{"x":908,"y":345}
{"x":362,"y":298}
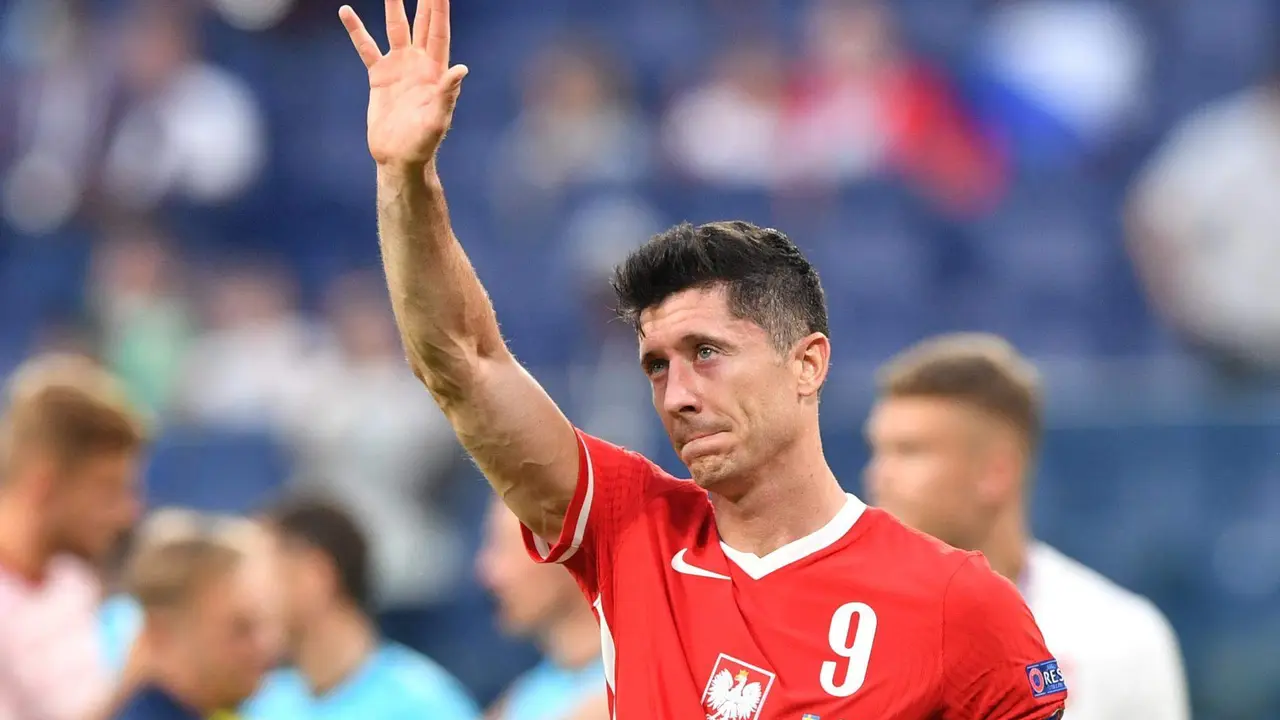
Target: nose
{"x":680,"y":391}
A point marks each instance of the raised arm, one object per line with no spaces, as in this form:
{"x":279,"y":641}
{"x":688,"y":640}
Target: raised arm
{"x":519,"y":438}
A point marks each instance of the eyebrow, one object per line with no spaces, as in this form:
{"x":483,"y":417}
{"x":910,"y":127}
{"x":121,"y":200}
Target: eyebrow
{"x":693,"y":340}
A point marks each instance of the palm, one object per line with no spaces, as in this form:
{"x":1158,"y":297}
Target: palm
{"x":412,"y":90}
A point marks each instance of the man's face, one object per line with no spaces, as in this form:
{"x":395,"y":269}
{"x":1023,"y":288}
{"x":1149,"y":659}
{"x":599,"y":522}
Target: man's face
{"x":929,"y":467}
{"x":93,"y":503}
{"x":530,"y":596}
{"x":728,"y":400}
{"x":229,"y":634}
{"x":307,"y":583}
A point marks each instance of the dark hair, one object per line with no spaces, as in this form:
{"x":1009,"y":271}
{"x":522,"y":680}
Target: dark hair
{"x":767,"y":279}
{"x":326,"y":527}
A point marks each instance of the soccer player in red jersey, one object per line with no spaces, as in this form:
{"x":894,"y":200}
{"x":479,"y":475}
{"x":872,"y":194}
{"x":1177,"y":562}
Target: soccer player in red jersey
{"x":759,"y":589}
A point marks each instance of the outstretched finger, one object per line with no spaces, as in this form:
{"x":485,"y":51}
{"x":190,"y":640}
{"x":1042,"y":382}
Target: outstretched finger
{"x":397,"y":25}
{"x":422,"y":24}
{"x":438,"y":39}
{"x":365,"y":45}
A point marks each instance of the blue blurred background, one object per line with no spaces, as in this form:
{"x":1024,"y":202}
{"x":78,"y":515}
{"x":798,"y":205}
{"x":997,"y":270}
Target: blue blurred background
{"x":185,"y":192}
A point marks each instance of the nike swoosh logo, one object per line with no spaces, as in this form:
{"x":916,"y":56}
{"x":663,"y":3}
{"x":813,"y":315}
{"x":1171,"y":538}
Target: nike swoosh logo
{"x":679,"y":565}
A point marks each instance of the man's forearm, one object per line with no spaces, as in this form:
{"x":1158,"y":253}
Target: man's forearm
{"x":446,"y":320}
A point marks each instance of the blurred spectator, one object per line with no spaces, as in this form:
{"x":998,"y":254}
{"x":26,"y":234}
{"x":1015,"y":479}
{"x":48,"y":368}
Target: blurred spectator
{"x":608,"y":398}
{"x":245,"y":370}
{"x":136,"y":282}
{"x":368,"y":433}
{"x":726,"y":131}
{"x":1053,"y":102}
{"x":62,"y":93}
{"x":1205,"y":227}
{"x":863,"y":105}
{"x":189,"y":130}
{"x":579,"y":125}
{"x":253,"y":14}
{"x":127,"y":120}
{"x":543,"y":603}
{"x":340,"y":667}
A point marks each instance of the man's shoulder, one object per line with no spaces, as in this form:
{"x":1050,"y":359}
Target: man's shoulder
{"x":882,"y":540}
{"x":152,"y":703}
{"x":416,"y":681}
{"x":67,"y":581}
{"x":1064,"y":590}
{"x":282,"y":692}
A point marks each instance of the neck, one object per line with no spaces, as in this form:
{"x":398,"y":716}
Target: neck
{"x":184,"y":684}
{"x":791,"y":496}
{"x":573,"y":642}
{"x":22,"y":549}
{"x":1006,"y":545}
{"x":333,"y":648}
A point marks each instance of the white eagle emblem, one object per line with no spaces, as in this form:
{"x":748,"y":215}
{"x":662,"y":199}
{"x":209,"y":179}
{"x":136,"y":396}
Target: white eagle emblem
{"x":732,"y":698}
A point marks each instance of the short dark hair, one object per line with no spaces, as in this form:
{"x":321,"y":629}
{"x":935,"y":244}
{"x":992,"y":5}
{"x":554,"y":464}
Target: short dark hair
{"x":767,"y":278}
{"x":979,"y":369}
{"x":326,"y":527}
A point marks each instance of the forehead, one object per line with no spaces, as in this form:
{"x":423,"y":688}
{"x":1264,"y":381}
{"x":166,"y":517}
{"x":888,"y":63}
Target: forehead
{"x":694,"y":312}
{"x":919,"y":415}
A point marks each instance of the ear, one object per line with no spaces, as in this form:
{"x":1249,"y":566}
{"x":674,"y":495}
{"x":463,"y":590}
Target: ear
{"x":42,"y":477}
{"x":811,"y":359}
{"x":1005,"y":466}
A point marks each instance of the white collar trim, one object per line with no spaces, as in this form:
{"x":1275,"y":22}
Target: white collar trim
{"x":757,"y":567}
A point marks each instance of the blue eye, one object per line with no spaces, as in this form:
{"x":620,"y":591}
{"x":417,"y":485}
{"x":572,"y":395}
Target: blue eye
{"x":655,"y":366}
{"x":706,"y":352}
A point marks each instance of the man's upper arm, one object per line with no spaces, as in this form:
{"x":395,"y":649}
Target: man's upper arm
{"x":995,"y":663}
{"x":1157,"y":677}
{"x":519,"y":438}
{"x":613,"y":484}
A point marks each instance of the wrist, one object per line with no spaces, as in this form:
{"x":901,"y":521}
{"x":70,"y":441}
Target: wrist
{"x":414,"y":173}
{"x":401,"y":170}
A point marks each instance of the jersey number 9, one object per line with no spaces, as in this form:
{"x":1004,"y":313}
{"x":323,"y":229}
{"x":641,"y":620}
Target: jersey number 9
{"x":856,"y":650}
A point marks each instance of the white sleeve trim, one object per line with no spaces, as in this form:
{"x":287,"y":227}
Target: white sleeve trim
{"x":584,"y":513}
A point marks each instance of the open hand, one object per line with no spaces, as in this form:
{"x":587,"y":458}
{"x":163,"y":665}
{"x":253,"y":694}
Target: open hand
{"x":412,"y":89}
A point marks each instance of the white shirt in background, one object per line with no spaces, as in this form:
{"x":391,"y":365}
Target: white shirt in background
{"x":51,"y":665}
{"x":1118,"y":653}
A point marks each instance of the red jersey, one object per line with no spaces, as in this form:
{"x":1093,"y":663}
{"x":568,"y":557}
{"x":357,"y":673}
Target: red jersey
{"x":864,"y":619}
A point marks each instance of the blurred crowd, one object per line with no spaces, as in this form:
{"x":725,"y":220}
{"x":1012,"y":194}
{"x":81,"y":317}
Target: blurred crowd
{"x":185,"y":193}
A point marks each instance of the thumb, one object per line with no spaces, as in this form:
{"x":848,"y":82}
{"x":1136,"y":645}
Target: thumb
{"x":452,"y":80}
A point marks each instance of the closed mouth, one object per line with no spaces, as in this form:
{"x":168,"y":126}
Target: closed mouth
{"x":700,"y":436}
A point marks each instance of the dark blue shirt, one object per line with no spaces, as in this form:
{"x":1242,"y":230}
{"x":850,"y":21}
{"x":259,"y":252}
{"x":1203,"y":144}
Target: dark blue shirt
{"x":153,"y":703}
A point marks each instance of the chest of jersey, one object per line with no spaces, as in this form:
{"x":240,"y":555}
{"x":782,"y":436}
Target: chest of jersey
{"x":826,"y":636}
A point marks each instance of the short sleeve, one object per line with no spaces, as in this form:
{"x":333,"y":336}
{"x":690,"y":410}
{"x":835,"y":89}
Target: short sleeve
{"x":613,"y":484}
{"x":995,"y":662}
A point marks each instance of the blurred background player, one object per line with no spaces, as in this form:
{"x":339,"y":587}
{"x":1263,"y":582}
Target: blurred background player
{"x":953,"y":440}
{"x":209,"y":632}
{"x":120,"y":616}
{"x":542,"y":603}
{"x":69,"y":453}
{"x":341,"y":668}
